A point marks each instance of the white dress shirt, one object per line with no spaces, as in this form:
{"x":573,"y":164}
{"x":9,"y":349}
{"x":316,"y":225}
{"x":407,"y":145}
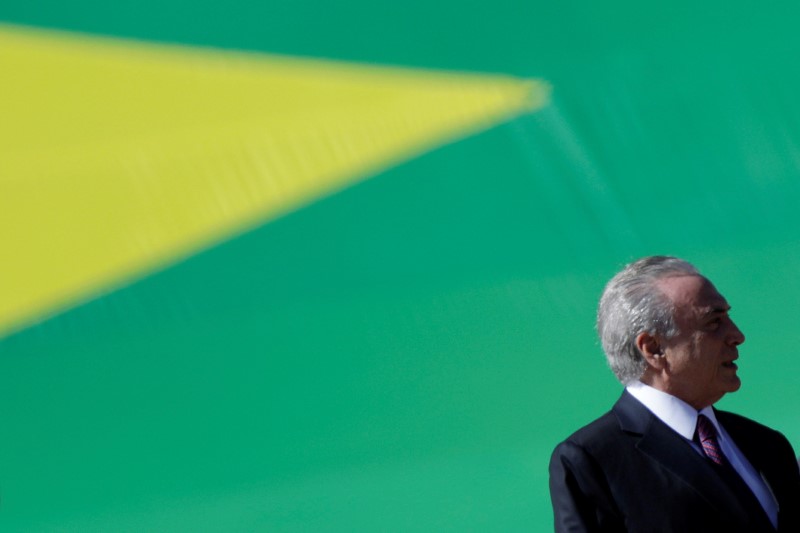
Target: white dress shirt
{"x":682,"y":418}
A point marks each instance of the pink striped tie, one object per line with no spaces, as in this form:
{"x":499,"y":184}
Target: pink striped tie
{"x":708,"y":439}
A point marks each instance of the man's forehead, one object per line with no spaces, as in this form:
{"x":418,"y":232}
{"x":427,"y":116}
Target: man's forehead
{"x":693,"y":291}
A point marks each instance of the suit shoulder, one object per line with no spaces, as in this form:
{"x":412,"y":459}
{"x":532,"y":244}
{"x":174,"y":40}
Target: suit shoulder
{"x":593,"y":434}
{"x":744,"y":430}
{"x":735,"y":421}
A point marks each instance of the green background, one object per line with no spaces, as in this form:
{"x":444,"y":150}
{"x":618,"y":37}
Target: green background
{"x":404,"y":355}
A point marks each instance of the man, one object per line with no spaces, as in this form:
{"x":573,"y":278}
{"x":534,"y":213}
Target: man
{"x":663,"y":459}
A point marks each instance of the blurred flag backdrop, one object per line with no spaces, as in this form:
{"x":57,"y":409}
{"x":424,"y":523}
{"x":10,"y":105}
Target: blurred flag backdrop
{"x":319,"y":266}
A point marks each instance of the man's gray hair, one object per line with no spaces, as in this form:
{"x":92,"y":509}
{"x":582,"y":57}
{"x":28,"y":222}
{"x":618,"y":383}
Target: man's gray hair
{"x":632,"y":304}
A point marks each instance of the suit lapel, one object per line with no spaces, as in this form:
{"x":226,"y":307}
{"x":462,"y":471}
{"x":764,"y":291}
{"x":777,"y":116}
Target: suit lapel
{"x":745,"y":441}
{"x":753,"y":450}
{"x":662,"y":444}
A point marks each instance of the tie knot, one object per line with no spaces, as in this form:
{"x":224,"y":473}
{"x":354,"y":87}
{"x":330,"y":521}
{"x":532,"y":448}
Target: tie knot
{"x":705,"y":428}
{"x":707,"y":434}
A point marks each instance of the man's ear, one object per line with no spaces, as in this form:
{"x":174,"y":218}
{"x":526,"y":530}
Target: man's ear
{"x":651,"y":350}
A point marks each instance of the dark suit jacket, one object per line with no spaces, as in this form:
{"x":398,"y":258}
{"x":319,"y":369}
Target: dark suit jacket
{"x":628,"y":471}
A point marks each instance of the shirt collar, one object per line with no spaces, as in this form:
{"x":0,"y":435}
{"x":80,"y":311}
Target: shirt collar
{"x":674,"y":412}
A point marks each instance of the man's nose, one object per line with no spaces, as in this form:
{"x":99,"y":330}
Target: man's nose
{"x":735,"y":336}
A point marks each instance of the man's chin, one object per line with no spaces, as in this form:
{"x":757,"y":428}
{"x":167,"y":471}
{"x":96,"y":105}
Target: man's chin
{"x":733,"y":384}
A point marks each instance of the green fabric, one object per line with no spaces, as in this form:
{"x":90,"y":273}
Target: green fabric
{"x":404,"y":355}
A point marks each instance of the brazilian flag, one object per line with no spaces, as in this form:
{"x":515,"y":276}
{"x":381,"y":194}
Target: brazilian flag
{"x":333,"y":266}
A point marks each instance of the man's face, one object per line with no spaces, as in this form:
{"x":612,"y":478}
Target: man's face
{"x":700,"y":366}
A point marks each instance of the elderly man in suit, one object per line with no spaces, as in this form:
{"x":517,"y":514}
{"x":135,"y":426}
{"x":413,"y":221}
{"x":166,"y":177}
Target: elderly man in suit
{"x":663,"y":459}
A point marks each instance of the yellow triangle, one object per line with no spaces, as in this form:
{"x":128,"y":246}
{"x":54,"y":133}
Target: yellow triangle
{"x":118,"y":158}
